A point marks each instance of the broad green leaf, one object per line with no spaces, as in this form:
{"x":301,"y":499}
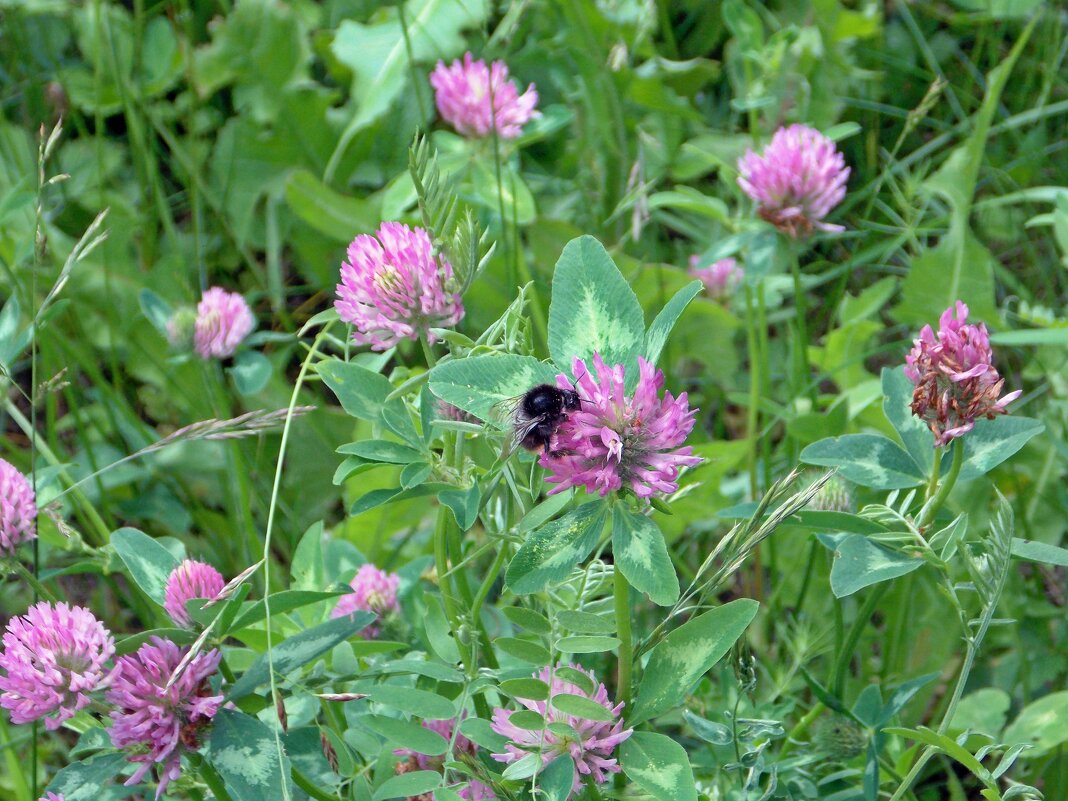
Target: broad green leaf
{"x":299,"y":650}
{"x":148,"y":563}
{"x":708,"y":730}
{"x":408,"y":784}
{"x":984,"y":710}
{"x":307,"y":570}
{"x":580,"y":707}
{"x":408,"y":734}
{"x":859,"y":563}
{"x":554,"y":550}
{"x":528,"y":619}
{"x":422,"y":703}
{"x":593,"y":309}
{"x":1039,"y":552}
{"x":382,"y":450}
{"x":480,"y":732}
{"x":476,"y":384}
{"x":658,"y":765}
{"x":362,"y":392}
{"x":947,"y":746}
{"x":657,"y":335}
{"x":1042,"y":724}
{"x":683,"y":656}
{"x":556,"y":781}
{"x":586,"y":644}
{"x":464,"y":504}
{"x":280,"y":603}
{"x":438,"y":633}
{"x":585,"y":622}
{"x":991,"y":442}
{"x":156,"y":310}
{"x":130,"y":643}
{"x":867,"y":459}
{"x":524,"y":650}
{"x":534,"y":689}
{"x":1032,"y":336}
{"x":337,"y":216}
{"x":248,"y":756}
{"x":83,"y":780}
{"x":640,"y":552}
{"x":251,"y":371}
{"x":897,"y":397}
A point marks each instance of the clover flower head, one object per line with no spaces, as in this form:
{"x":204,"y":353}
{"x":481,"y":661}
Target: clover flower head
{"x":393,"y":288}
{"x":954,"y":376}
{"x":474,"y":98}
{"x":53,"y":658}
{"x":155,"y":723}
{"x":720,"y":278}
{"x":223,"y":320}
{"x":52,"y":797}
{"x":616,"y":440}
{"x":596,"y":740}
{"x":462,"y":747}
{"x":373,"y":590}
{"x":18,"y":509}
{"x":798,"y":180}
{"x":190,"y":580}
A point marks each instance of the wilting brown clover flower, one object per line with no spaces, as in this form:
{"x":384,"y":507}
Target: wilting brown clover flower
{"x":954,"y":375}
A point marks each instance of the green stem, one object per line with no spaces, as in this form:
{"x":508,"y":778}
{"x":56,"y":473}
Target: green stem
{"x":211,"y":777}
{"x":943,"y":491}
{"x":308,"y":786}
{"x":850,"y":643}
{"x":753,"y":413}
{"x":801,"y":376}
{"x":14,"y":767}
{"x":802,"y":727}
{"x":35,"y":582}
{"x":591,"y":785}
{"x":428,"y":352}
{"x":626,"y":639}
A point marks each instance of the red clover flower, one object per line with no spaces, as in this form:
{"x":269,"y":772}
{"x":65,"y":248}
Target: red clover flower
{"x":475,"y":790}
{"x":373,"y":590}
{"x":720,"y":278}
{"x":616,"y":440}
{"x":394,"y":288}
{"x":157,"y":723}
{"x":223,"y":320}
{"x":799,"y":178}
{"x":18,"y":509}
{"x":955,"y":380}
{"x":596,"y":741}
{"x":190,"y":580}
{"x":53,"y":658}
{"x":463,"y":92}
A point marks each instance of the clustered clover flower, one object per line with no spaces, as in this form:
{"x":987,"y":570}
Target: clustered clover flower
{"x":617,"y":440}
{"x":720,"y":278}
{"x":475,"y":790}
{"x":53,"y":658}
{"x":393,"y":288}
{"x":190,"y":580}
{"x":52,"y":797}
{"x":799,"y":178}
{"x":156,"y":723}
{"x":474,"y":98}
{"x":955,"y":380}
{"x":373,"y":590}
{"x":18,"y":509}
{"x":597,"y":739}
{"x":223,"y":320}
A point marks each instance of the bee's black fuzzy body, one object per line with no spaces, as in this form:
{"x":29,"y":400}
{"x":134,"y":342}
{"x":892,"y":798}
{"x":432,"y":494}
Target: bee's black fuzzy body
{"x":542,"y":409}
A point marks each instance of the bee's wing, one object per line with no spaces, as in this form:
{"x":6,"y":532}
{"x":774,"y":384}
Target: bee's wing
{"x":508,"y":414}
